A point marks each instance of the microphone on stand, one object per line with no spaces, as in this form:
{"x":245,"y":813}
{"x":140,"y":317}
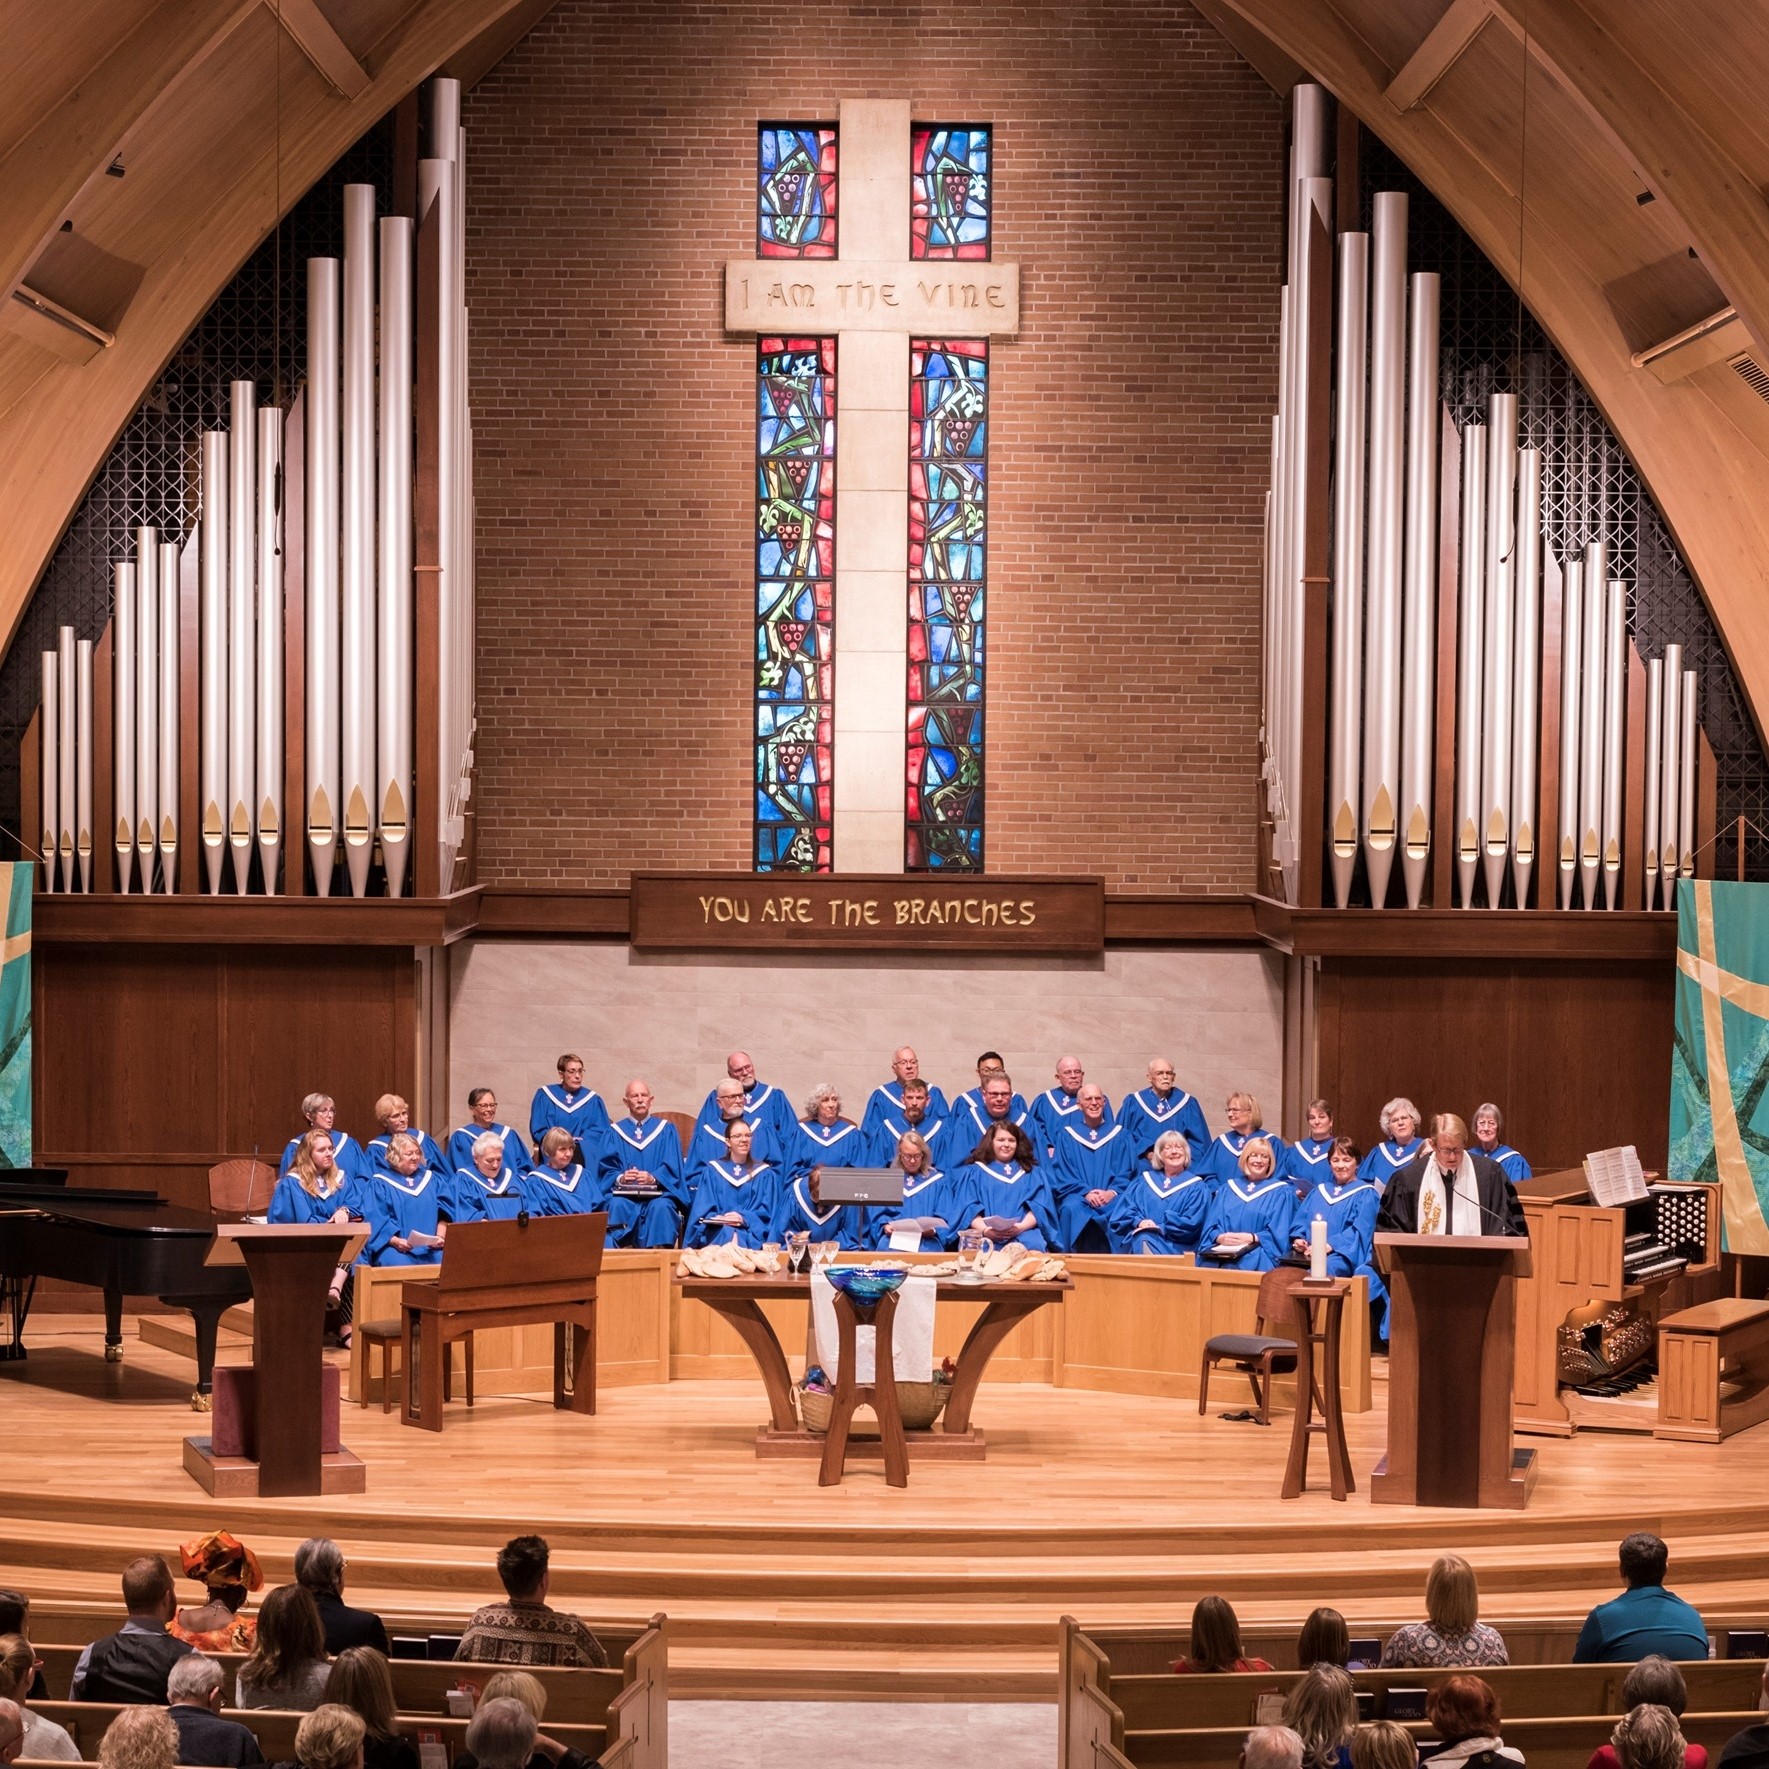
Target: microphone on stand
{"x":1503,"y":1223}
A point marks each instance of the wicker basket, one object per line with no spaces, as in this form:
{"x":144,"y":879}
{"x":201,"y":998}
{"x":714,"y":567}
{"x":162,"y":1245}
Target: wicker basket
{"x":920,"y":1403}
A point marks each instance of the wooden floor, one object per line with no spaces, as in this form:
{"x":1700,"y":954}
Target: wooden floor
{"x":1111,"y":1508}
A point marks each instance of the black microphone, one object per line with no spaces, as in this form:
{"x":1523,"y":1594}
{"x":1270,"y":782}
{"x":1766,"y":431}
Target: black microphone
{"x":1503,"y":1223}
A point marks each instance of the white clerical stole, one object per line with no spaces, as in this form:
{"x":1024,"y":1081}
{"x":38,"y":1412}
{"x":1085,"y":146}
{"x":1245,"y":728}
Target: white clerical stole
{"x":1452,"y":1209}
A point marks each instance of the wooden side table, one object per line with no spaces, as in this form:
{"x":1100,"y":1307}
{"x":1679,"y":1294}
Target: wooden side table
{"x":1318,"y":1310}
{"x":880,"y":1393}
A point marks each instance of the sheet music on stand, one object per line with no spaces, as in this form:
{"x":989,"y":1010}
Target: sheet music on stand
{"x":1615,"y":1176}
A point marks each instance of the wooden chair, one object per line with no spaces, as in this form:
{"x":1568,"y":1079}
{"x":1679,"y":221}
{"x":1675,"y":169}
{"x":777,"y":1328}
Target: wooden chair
{"x":1260,"y":1354}
{"x":385,"y":1336}
{"x":236,"y":1187}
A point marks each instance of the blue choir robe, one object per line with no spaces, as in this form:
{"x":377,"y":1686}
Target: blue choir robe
{"x":971,"y":1101}
{"x":1005,"y":1188}
{"x":429,"y":1154}
{"x":1175,"y":1205}
{"x":1222,"y":1160}
{"x":708,"y":1143}
{"x":562,"y":1191}
{"x":1386,"y":1159}
{"x":1517,"y":1169}
{"x":848,"y":1225}
{"x":653,"y":1147}
{"x":346,"y":1151}
{"x":763,"y":1106}
{"x":402,"y":1204}
{"x":1266,"y":1209}
{"x":1051,"y":1110}
{"x":881,"y":1146}
{"x":474,"y":1198}
{"x":1349,"y":1212}
{"x":517,"y":1154}
{"x":1145,"y":1116}
{"x":952,"y":1197}
{"x":1088,"y":1160}
{"x":965,"y":1127}
{"x":582,"y":1113}
{"x":887,"y":1102}
{"x":753,"y":1191}
{"x":1306,"y":1164}
{"x":842,"y":1144}
{"x":292,"y":1202}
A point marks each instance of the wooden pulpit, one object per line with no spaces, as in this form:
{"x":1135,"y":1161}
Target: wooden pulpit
{"x":1451,"y":1353}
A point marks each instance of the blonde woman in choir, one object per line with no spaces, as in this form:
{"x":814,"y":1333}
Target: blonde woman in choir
{"x":1246,"y":1123}
{"x":314,"y":1190}
{"x":394,"y":1116}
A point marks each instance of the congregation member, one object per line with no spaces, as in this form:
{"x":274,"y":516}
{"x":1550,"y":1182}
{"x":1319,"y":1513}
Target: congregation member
{"x":885,"y":1102}
{"x":1464,"y":1713}
{"x":802,"y":1212}
{"x":504,"y":1734}
{"x":489,"y":1189}
{"x":19,"y":1667}
{"x":764,"y":1105}
{"x":642,"y":1155}
{"x":331,"y":1737}
{"x":524,"y":1629}
{"x":1650,"y":1737}
{"x":1321,"y":1709}
{"x":823,"y":1137}
{"x":1324,"y":1640}
{"x":482,"y":1118}
{"x":1256,"y":1203}
{"x":319,"y":1570}
{"x":997,"y":1105}
{"x":969,"y":1104}
{"x":1749,"y":1748}
{"x":729,"y":1105}
{"x":520,"y":1686}
{"x":361,"y":1681}
{"x":1271,"y":1747}
{"x":1306,"y":1164}
{"x":1657,"y":1682}
{"x":1446,"y":1190}
{"x":404,"y":1202}
{"x":1162,"y":1209}
{"x":194,"y":1690}
{"x":1488,"y":1125}
{"x":1383,"y":1744}
{"x":1214,"y":1643}
{"x":561,"y":1185}
{"x":1645,"y":1618}
{"x":571,"y":1106}
{"x":227,"y":1570}
{"x":1400,"y":1144}
{"x":394,"y":1115}
{"x":912,"y":1116}
{"x":1452,"y":1632}
{"x":12,"y":1731}
{"x":322,"y":1114}
{"x":131,"y":1664}
{"x":939,"y":1205}
{"x":1059,"y":1105}
{"x":1348,"y":1206}
{"x":1246,"y":1123}
{"x":737,"y":1198}
{"x":139,"y":1738}
{"x":1092,"y":1166}
{"x":1162,"y":1106}
{"x":15,"y":1618}
{"x":288,"y":1666}
{"x":1013,"y":1202}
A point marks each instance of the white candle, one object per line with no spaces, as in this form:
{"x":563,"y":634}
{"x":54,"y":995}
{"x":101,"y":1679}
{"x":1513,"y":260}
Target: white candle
{"x":1317,"y":1249}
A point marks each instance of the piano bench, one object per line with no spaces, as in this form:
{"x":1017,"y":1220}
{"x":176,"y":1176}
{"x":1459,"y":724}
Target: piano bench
{"x":388,"y":1336}
{"x":1713,"y":1370}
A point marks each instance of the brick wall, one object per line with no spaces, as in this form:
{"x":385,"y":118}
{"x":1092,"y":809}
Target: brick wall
{"x":1138,"y":183}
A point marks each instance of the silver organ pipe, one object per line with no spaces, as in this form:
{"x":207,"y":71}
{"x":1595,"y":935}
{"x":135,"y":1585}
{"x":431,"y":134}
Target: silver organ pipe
{"x":1671,"y":779}
{"x":1525,"y":817}
{"x":269,"y":660}
{"x":357,"y":578}
{"x":393,"y":778}
{"x":123,"y":719}
{"x":1572,"y":636}
{"x":1470,"y":650}
{"x":1686,"y":756}
{"x":67,"y":714}
{"x":321,"y":499}
{"x":169,"y":686}
{"x":212,"y":671}
{"x":436,"y":197}
{"x":1268,"y":651}
{"x":1615,"y":693}
{"x":84,"y":834}
{"x":1591,"y":725}
{"x":1348,"y":558}
{"x":49,"y":766}
{"x":1501,"y":542}
{"x":242,"y":677}
{"x":1655,"y":737}
{"x":147,"y":699}
{"x":1276,"y":629}
{"x":465,"y":562}
{"x":1419,"y":678}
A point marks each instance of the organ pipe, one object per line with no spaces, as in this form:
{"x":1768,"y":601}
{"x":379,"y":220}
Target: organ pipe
{"x":123,"y":718}
{"x":393,"y":779}
{"x":1591,"y":726}
{"x":1615,"y":688}
{"x":436,"y":196}
{"x":357,"y":511}
{"x":212,"y":685}
{"x":49,"y":765}
{"x":1571,"y":722}
{"x":167,"y":649}
{"x":1671,"y":779}
{"x":1501,"y":542}
{"x":83,"y":781}
{"x":147,"y":699}
{"x":1686,"y":796}
{"x":67,"y":712}
{"x":1276,"y":629}
{"x":1525,"y":817}
{"x":1419,"y":679}
{"x":1655,"y":728}
{"x":242,"y":717}
{"x":269,"y":659}
{"x":1348,"y":556}
{"x":1470,"y":650}
{"x":321,"y":498}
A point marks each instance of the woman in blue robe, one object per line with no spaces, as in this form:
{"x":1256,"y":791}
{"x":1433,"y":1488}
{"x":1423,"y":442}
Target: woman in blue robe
{"x":735,"y":1199}
{"x":1401,"y":1143}
{"x":482,"y":1115}
{"x":1488,"y":1125}
{"x":943,"y":1204}
{"x":823,"y":1137}
{"x":802,"y":1211}
{"x":1162,"y":1209}
{"x":394,"y":1115}
{"x":1222,"y":1160}
{"x":570,"y":1106}
{"x":491,"y":1190}
{"x":322,"y":1114}
{"x":1348,"y":1206}
{"x":403,"y":1200}
{"x":1012,"y":1199}
{"x":1257,"y":1201}
{"x":561,"y":1185}
{"x":1305,"y":1162}
{"x":317,"y":1190}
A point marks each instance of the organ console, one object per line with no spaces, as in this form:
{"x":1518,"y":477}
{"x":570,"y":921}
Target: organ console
{"x":1587,"y":1319}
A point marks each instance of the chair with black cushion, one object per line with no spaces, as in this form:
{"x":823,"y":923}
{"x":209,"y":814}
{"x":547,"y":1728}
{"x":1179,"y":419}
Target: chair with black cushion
{"x":1261,"y":1354}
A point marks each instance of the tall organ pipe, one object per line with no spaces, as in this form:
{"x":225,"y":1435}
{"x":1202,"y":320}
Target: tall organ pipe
{"x":1615,"y":690}
{"x":49,"y":765}
{"x":84,"y":834}
{"x":147,"y":701}
{"x":1671,"y":778}
{"x":394,"y":700}
{"x":1655,"y":737}
{"x":1501,"y":607}
{"x":1525,"y":817}
{"x":1686,"y":755}
{"x":67,"y":713}
{"x":436,"y":199}
{"x":169,"y":685}
{"x":242,"y":662}
{"x":1572,"y":638}
{"x":212,"y":674}
{"x":1470,"y":650}
{"x":1382,"y":602}
{"x":321,"y":500}
{"x":357,"y":654}
{"x":270,"y":645}
{"x":123,"y":718}
{"x":1350,"y":428}
{"x":1592,"y":705}
{"x":1419,"y":678}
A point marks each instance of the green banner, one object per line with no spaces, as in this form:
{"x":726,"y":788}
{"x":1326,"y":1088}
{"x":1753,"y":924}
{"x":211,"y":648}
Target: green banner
{"x":1720,"y":1058}
{"x":15,"y":1016}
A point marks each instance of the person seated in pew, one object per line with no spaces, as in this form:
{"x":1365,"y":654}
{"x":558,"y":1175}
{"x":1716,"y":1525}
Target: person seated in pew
{"x":1249,"y":1220}
{"x":322,"y":1114}
{"x":331,"y":1737}
{"x":1749,"y":1748}
{"x":823,"y":1137}
{"x":12,"y":1731}
{"x":1222,"y":1160}
{"x":1324,"y":1640}
{"x":194,"y":1694}
{"x":227,"y":1570}
{"x":1452,"y":1632}
{"x":765,"y":1107}
{"x":361,"y":1682}
{"x":970,"y":1102}
{"x":1400,"y":1144}
{"x":394,"y":1115}
{"x":1012,"y":1197}
{"x":316,"y":1190}
{"x":1215,"y":1641}
{"x":1162,"y":1106}
{"x":885,"y":1102}
{"x":570,"y":1106}
{"x":15,"y":1618}
{"x":319,"y":1570}
{"x":1646,"y":1617}
{"x":1305,"y":1163}
{"x":1348,"y":1206}
{"x":524,"y":1687}
{"x":1271,"y":1747}
{"x":1383,"y":1744}
{"x":802,"y":1211}
{"x":1657,"y":1682}
{"x":490,"y":1190}
{"x":561,"y":1185}
{"x":482,"y":1116}
{"x":1648,"y":1736}
{"x":642,"y":1154}
{"x":503,"y":1734}
{"x":1162,"y":1209}
{"x":1321,"y":1709}
{"x":139,"y":1738}
{"x":131,"y":1664}
{"x":1488,"y":1125}
{"x":1059,"y":1105}
{"x":1464,"y":1713}
{"x":728,"y":1102}
{"x":735,"y":1199}
{"x":996,"y":1104}
{"x":912,"y":1116}
{"x":288,"y":1667}
{"x":1092,"y":1166}
{"x":524,"y":1629}
{"x":937,"y":1204}
{"x":19,"y":1668}
{"x":405,"y":1202}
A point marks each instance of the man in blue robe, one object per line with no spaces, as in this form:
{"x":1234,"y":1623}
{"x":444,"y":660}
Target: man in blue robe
{"x":570,"y":1106}
{"x":729,"y":1107}
{"x":1060,"y":1105}
{"x":322,"y":1114}
{"x":886,"y":1101}
{"x":765,"y":1107}
{"x":1162,"y":1105}
{"x":395,"y":1118}
{"x":1092,"y":1166}
{"x":404,"y":1202}
{"x":892,"y":1127}
{"x":970,"y":1102}
{"x":482,"y":1115}
{"x":643,"y":1155}
{"x":561,"y":1185}
{"x":965,"y":1129}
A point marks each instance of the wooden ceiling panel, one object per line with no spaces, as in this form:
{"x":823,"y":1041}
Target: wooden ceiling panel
{"x":52,"y":52}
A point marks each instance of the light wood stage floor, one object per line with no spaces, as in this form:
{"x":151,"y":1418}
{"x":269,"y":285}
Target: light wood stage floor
{"x":1111,"y":1507}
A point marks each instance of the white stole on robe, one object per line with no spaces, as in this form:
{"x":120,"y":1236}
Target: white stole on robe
{"x":1463,"y":1213}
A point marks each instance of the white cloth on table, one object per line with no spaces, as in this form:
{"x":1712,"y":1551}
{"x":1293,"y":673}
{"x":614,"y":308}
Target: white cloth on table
{"x":912,"y":1333}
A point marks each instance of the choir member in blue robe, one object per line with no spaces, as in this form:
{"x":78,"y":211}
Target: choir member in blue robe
{"x":321,"y":1114}
{"x":765,"y":1107}
{"x":317,"y":1190}
{"x":736,"y":1198}
{"x":1400,"y":1144}
{"x":561,"y":1185}
{"x":395,"y":1117}
{"x":1348,"y":1206}
{"x":802,"y":1211}
{"x":912,"y":1115}
{"x":886,"y":1101}
{"x":823,"y":1137}
{"x":970,"y":1124}
{"x":989,"y":1063}
{"x":1093,"y":1164}
{"x":489,"y":1189}
{"x":569,"y":1106}
{"x":941,"y":1204}
{"x":1060,"y":1105}
{"x":1257,"y":1201}
{"x":708,"y":1141}
{"x":1489,"y":1128}
{"x":643,"y":1152}
{"x":1012,"y":1197}
{"x":403,"y":1200}
{"x":482,"y":1116}
{"x":1162,"y":1105}
{"x":1222,"y":1160}
{"x":1305,"y":1165}
{"x":1162,"y":1209}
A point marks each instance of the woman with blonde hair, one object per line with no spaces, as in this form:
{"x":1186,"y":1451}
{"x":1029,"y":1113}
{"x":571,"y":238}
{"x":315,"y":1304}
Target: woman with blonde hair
{"x":1654,"y":1683}
{"x":139,"y":1738}
{"x":1215,"y":1643}
{"x":1383,"y":1744}
{"x":361,"y":1681}
{"x":43,"y":1739}
{"x":331,"y":1737}
{"x":1246,"y":1123}
{"x":394,"y":1115}
{"x":1452,"y":1633}
{"x":317,"y":1189}
{"x":1649,"y":1737}
{"x":1321,"y":1709}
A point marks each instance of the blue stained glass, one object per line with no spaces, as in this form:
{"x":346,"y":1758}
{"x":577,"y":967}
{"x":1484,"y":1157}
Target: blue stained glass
{"x":795,"y":191}
{"x":949,"y":192}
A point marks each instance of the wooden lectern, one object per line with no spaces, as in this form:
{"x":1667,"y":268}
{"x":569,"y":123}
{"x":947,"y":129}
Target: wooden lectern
{"x":1451,"y":1349}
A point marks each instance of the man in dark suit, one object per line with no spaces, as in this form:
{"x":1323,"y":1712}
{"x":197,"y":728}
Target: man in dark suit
{"x":193,"y":1688}
{"x":131,"y":1665}
{"x":1446,"y":1190}
{"x":319,"y":1565}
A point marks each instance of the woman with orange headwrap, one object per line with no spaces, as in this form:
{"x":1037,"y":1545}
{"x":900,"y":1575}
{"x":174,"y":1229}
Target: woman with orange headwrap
{"x":227,"y":1569}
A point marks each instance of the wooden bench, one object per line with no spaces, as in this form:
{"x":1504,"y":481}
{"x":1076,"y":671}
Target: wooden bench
{"x":1713,"y":1370}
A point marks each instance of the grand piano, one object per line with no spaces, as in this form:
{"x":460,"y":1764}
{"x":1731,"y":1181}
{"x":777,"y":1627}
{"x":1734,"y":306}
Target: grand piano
{"x":125,"y":1243}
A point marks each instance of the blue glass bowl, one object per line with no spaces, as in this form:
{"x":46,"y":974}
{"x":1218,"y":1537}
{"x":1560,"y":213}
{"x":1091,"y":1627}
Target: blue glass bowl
{"x":866,"y":1283}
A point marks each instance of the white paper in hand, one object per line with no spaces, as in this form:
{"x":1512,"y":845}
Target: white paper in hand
{"x":906,"y":1239}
